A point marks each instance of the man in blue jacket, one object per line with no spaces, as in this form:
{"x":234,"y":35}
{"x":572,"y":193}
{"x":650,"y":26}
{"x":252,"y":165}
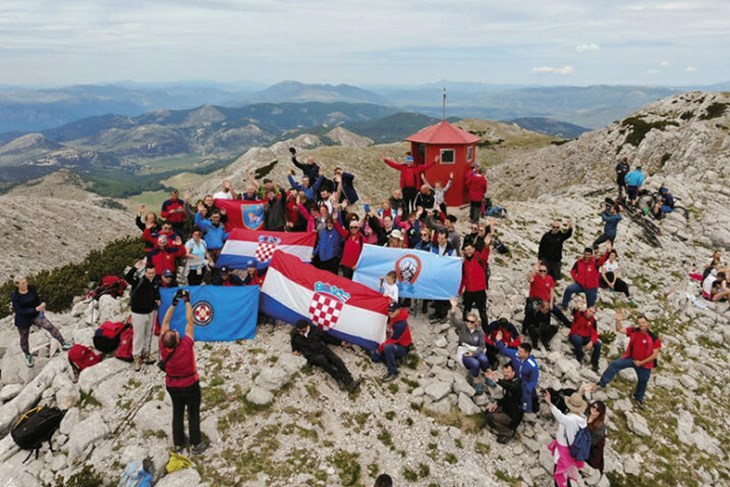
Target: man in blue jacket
{"x":634,"y":180}
{"x":214,"y":231}
{"x":611,"y":217}
{"x":527,"y":371}
{"x":311,"y":192}
{"x":328,"y":247}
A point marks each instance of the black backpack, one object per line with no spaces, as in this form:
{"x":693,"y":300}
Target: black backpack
{"x":34,"y":427}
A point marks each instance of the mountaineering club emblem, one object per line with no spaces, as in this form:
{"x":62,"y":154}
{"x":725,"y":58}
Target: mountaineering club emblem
{"x":266,"y":247}
{"x":252,"y":215}
{"x":203,"y":313}
{"x":326,"y":305}
{"x":407,"y":270}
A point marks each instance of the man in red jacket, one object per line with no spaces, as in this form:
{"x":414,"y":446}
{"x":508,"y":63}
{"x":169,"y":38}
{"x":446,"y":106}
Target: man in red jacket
{"x":410,"y":179}
{"x":476,"y":186}
{"x":584,"y":333}
{"x":173,"y":210}
{"x":473,"y":285}
{"x":163,"y":257}
{"x":397,"y":343}
{"x":586,"y":274}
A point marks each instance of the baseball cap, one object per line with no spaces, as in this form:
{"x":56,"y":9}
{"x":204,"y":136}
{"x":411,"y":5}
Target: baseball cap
{"x":225,"y":269}
{"x":250,"y":263}
{"x":167,"y":273}
{"x":393,"y":307}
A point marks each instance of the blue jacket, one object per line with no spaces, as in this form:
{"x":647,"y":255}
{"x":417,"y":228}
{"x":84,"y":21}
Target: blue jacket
{"x":421,"y":245}
{"x":449,"y":249}
{"x":328,"y":244}
{"x":527,"y":371}
{"x":215,"y":237}
{"x":312,"y":192}
{"x":611,"y":223}
{"x":634,"y":178}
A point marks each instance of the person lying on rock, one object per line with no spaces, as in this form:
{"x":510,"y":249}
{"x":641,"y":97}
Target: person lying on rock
{"x":311,"y":342}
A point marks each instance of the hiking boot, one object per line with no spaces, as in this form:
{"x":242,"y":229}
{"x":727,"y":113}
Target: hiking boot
{"x":148,"y":360}
{"x":490,"y":382}
{"x":353,"y":385}
{"x":66,"y":345}
{"x":389,"y":377}
{"x":502,"y":439}
{"x":137,"y":363}
{"x":29,"y":360}
{"x":199,"y":448}
{"x":639,"y":404}
{"x":178,"y":448}
{"x":479,"y":388}
{"x":490,"y":421}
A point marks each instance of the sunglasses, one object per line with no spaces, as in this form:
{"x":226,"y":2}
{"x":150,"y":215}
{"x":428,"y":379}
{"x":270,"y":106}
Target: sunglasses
{"x":542,"y":271}
{"x":471,"y":321}
{"x":556,"y":228}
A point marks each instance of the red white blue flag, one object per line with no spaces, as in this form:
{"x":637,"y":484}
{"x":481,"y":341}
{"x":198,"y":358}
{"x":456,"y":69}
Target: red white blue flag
{"x":244,"y":246}
{"x":242,"y":214}
{"x":350,"y":311}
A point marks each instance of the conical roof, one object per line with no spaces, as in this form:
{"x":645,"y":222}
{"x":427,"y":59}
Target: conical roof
{"x":443,"y":133}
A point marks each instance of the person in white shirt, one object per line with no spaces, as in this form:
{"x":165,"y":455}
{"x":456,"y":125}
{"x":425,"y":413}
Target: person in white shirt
{"x":226,"y":193}
{"x":390,"y":288}
{"x":611,"y":277}
{"x":566,"y":467}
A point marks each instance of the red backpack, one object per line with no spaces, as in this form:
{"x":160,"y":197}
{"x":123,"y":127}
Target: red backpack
{"x":106,"y":337}
{"x":124,"y":350}
{"x":112,"y":285}
{"x":81,"y":357}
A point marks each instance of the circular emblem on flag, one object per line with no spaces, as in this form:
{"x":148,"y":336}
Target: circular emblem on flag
{"x":408,"y":268}
{"x":324,"y":310}
{"x":203,"y":313}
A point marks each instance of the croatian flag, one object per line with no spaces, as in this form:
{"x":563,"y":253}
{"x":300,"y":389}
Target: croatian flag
{"x":242,"y":214}
{"x":221,"y":313}
{"x":345,"y":309}
{"x":419,"y":274}
{"x":243,"y":246}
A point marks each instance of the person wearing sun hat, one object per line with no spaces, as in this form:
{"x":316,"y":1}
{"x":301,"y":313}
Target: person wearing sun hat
{"x":566,"y":467}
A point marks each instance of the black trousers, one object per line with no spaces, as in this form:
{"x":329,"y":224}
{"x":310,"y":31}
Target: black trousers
{"x":619,"y":286}
{"x":553,"y":268}
{"x":478,"y":300}
{"x":539,"y":329}
{"x":187,"y":397}
{"x":409,"y":200}
{"x":475,"y":211}
{"x":332,"y":364}
{"x":195,"y":279}
{"x":347,"y":272}
{"x":331,"y":265}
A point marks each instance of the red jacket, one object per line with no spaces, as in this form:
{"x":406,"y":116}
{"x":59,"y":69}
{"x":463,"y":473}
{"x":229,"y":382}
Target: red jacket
{"x":164,"y":259}
{"x":642,"y":345}
{"x":474,"y":271}
{"x":476,"y":186}
{"x":180,"y":370}
{"x":151,"y":235}
{"x":167,"y":211}
{"x":352,"y":248}
{"x":398,"y":327}
{"x":584,"y":327}
{"x":541,"y":287}
{"x":410,"y":177}
{"x":587,"y":274}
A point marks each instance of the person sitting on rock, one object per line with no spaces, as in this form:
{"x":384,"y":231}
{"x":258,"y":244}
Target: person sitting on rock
{"x":510,"y":336}
{"x":542,"y":286}
{"x":584,"y":334}
{"x":181,"y":376}
{"x":586,"y":276}
{"x":720,"y":290}
{"x":664,"y":205}
{"x":470,"y":351}
{"x":641,"y":355}
{"x":168,"y":279}
{"x":252,"y":277}
{"x":311,"y":342}
{"x":715,"y":263}
{"x":610,"y":273}
{"x":537,"y":324}
{"x":505,"y":415}
{"x":397,"y":343}
{"x":527,"y":371}
{"x":225,"y":277}
{"x":30,"y":310}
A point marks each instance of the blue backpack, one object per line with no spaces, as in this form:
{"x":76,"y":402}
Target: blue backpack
{"x":137,"y":474}
{"x":580,"y":449}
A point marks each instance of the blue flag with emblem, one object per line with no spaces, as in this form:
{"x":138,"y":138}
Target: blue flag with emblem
{"x":419,"y":274}
{"x":221,"y":313}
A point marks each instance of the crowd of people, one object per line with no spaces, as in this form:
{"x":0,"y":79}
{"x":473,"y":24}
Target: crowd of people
{"x":190,"y":235}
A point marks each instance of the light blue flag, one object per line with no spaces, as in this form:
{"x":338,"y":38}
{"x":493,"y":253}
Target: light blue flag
{"x":419,"y":274}
{"x":221,"y":313}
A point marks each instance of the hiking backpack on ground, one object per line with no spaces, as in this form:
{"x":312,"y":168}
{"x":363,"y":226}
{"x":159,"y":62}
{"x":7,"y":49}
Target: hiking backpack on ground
{"x":106,"y":338}
{"x":580,"y":449}
{"x":112,"y":285}
{"x":34,"y":427}
{"x":124,"y":350}
{"x":81,"y":357}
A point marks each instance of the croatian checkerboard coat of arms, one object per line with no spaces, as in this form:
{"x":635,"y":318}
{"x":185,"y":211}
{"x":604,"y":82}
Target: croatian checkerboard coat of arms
{"x":266,"y":247}
{"x":326,"y":306}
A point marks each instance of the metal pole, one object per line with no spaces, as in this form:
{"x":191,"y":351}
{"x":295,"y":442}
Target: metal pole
{"x":443,"y":112}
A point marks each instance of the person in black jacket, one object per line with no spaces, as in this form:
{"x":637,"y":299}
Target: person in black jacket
{"x":505,"y":415}
{"x":144,"y":300}
{"x":311,"y":342}
{"x":551,"y":247}
{"x":310,"y":169}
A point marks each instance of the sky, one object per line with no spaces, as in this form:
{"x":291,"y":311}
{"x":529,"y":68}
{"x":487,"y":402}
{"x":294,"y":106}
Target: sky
{"x":372,"y":42}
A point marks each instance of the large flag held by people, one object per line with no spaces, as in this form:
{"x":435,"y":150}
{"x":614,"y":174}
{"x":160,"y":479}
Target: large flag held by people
{"x":243,"y":246}
{"x":348,"y":310}
{"x":242,"y":214}
{"x":221,"y":313}
{"x":419,"y":274}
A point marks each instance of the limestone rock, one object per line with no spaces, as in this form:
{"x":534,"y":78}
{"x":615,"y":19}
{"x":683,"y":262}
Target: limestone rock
{"x":69,"y":421}
{"x":438,"y":390}
{"x":110,"y":309}
{"x":259,"y":396}
{"x":272,"y":378}
{"x":291,"y":363}
{"x":84,"y":435}
{"x":10,"y":391}
{"x":637,"y":424}
{"x":188,"y":477}
{"x":154,"y":416}
{"x":96,"y":374}
{"x":467,"y":406}
{"x":440,"y":407}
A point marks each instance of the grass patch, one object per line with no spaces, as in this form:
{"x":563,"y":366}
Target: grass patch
{"x":714,"y":110}
{"x":636,"y":128}
{"x":88,"y":399}
{"x":507,"y":478}
{"x":386,"y":439}
{"x":348,"y":468}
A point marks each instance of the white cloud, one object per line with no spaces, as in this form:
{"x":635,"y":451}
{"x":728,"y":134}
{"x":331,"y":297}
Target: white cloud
{"x":653,"y":71}
{"x":664,"y":64}
{"x":592,"y":46}
{"x":565,"y":70}
{"x":691,"y":69}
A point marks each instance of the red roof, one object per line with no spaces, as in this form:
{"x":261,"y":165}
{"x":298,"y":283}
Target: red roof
{"x":443,"y":133}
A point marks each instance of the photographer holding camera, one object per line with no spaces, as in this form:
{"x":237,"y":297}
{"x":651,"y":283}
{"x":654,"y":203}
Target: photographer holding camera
{"x":181,"y":376}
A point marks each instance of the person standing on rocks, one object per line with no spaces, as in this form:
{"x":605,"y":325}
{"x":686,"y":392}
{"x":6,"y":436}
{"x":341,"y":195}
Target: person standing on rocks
{"x":586,"y":275}
{"x":611,"y":219}
{"x":181,"y":376}
{"x":527,"y":371}
{"x":311,"y":342}
{"x":410,"y":179}
{"x":550,"y":251}
{"x":566,"y":467}
{"x":640,"y":355}
{"x":542,"y":287}
{"x":144,"y":298}
{"x":476,"y":186}
{"x":309,"y":169}
{"x":622,"y":169}
{"x":470,"y":351}
{"x":473,"y":288}
{"x":505,"y":415}
{"x":634,"y":180}
{"x":398,"y":341}
{"x":30,"y":310}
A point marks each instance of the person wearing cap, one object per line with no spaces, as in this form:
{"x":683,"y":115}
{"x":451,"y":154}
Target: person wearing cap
{"x":168,"y":279}
{"x":252,"y":277}
{"x":410,"y":179}
{"x":664,"y":205}
{"x":566,"y":467}
{"x":311,"y":342}
{"x":527,"y":370}
{"x":586,"y":275}
{"x":476,"y":186}
{"x":173,"y":210}
{"x":397,"y":343}
{"x":510,"y":336}
{"x":226,"y":278}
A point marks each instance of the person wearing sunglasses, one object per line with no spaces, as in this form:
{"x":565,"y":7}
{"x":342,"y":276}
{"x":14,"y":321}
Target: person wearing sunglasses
{"x":470,"y":351}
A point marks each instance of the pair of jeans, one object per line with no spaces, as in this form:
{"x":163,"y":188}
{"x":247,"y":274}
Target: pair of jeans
{"x":186,"y":397}
{"x":391,"y":352}
{"x":643,"y":374}
{"x":579,"y":342}
{"x":475,"y":363}
{"x":591,"y":294}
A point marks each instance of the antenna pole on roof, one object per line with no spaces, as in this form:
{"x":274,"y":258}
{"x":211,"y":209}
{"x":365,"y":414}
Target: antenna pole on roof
{"x":443,"y":112}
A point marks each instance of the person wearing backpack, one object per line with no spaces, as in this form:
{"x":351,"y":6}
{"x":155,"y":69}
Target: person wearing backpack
{"x":144,"y":300}
{"x":181,"y":376}
{"x":622,"y":169}
{"x":571,"y":429}
{"x":30,"y":310}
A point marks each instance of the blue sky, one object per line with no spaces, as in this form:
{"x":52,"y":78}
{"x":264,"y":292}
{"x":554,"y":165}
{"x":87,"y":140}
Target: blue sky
{"x":551,"y":42}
